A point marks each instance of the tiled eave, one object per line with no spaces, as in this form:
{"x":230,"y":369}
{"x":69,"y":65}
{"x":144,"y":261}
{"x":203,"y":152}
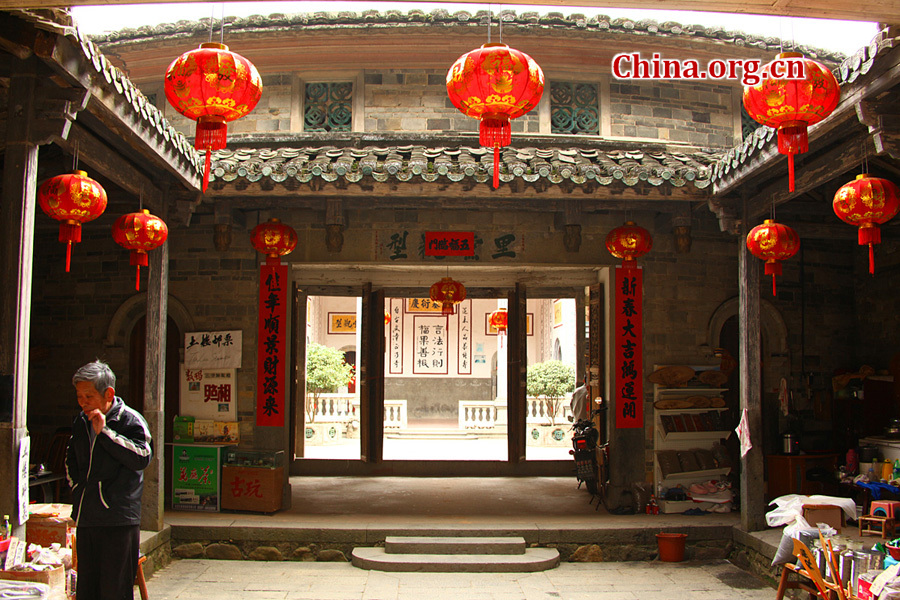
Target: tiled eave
{"x":525,"y":23}
{"x":419,"y":163}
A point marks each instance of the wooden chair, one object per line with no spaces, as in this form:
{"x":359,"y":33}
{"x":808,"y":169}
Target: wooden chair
{"x":809,"y":577}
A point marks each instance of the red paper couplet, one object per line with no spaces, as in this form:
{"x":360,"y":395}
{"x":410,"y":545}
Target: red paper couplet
{"x":271,"y":345}
{"x":628,"y":348}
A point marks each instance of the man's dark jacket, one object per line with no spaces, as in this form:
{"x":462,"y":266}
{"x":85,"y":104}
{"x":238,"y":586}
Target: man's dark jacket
{"x":106,"y":478}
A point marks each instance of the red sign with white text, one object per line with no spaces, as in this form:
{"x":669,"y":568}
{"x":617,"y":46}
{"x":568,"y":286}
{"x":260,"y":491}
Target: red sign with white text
{"x":449,"y":243}
{"x":628,"y":348}
{"x":271,"y":346}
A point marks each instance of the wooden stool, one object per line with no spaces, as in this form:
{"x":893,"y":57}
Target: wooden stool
{"x":139,"y":578}
{"x":883,"y":526}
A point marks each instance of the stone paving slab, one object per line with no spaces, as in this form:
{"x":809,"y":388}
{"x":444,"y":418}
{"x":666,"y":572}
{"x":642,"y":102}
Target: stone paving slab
{"x":249,"y":580}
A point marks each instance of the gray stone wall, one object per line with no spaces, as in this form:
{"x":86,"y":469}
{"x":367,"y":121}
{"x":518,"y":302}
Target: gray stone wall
{"x":435,"y":397}
{"x":696,"y":114}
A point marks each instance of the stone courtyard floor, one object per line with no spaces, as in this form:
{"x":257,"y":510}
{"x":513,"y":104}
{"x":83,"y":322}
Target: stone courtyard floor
{"x":250,"y":580}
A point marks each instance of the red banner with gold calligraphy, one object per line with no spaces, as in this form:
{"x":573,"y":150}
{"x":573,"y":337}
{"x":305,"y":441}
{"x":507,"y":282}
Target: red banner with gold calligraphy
{"x":449,"y":243}
{"x":271,"y":346}
{"x":628,"y":348}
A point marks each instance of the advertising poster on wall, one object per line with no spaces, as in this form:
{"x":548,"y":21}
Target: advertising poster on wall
{"x":196,"y":477}
{"x":213,"y":349}
{"x":208,"y":394}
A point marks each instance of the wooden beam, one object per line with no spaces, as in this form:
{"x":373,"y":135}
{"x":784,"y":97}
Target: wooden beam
{"x":810,"y":175}
{"x":112,"y":166}
{"x":883,"y":11}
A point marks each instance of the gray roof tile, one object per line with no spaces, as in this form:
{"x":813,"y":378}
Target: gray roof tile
{"x":410,"y":162}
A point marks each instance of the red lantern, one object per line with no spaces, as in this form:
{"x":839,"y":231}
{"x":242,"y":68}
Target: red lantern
{"x":792,"y":105}
{"x":495,"y":83}
{"x":773,"y":243}
{"x":499,"y":320}
{"x":274,"y":239}
{"x":866,"y":203}
{"x":628,"y":242}
{"x":72,"y":199}
{"x":448,"y":292}
{"x":139,"y":232}
{"x":212,"y":85}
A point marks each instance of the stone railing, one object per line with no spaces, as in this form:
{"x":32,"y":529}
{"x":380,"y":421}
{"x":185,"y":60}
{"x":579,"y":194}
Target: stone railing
{"x":538,"y":410}
{"x":474,"y":414}
{"x":344,"y":408}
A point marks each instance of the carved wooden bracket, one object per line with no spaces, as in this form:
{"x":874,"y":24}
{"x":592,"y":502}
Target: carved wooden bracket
{"x":726,"y":210}
{"x":883,"y":121}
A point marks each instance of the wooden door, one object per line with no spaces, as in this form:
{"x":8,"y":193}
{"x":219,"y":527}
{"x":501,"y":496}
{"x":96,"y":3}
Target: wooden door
{"x":516,"y":365}
{"x":298,"y":369}
{"x":370,"y":376}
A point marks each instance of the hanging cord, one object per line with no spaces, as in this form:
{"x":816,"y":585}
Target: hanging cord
{"x":490,"y":19}
{"x":500,"y":23}
{"x":75,"y":157}
{"x":222,"y":33}
{"x":141,"y":199}
{"x":212,"y":19}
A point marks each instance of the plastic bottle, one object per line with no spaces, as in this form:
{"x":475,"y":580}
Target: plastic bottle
{"x":897,"y":469}
{"x":6,"y":531}
{"x":652,"y":506}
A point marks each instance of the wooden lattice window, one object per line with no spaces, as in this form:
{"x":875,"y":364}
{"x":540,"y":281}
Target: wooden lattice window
{"x":328,"y":106}
{"x":574,"y":108}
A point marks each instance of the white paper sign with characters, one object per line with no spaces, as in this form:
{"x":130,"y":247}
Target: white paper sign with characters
{"x":213,"y":349}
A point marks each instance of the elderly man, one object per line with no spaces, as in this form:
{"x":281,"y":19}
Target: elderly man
{"x":109,"y":449}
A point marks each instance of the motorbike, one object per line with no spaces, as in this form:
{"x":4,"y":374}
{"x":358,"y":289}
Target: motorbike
{"x":585,"y":447}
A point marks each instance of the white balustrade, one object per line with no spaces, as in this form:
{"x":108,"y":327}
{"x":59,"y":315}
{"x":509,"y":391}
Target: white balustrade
{"x":538,"y":410}
{"x":474,"y":414}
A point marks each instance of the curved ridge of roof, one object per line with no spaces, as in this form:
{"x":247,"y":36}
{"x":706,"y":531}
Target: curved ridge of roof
{"x":444,"y":18}
{"x":457,"y":163}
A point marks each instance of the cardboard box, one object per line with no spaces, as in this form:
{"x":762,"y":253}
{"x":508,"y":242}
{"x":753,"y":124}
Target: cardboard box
{"x":824,"y":513}
{"x":257,"y":489}
{"x":54,"y":578}
{"x":50,"y":523}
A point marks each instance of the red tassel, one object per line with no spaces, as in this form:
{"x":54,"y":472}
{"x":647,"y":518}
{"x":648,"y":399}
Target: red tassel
{"x":68,"y":255}
{"x":790,"y":173}
{"x":773,"y":285}
{"x":871,"y":259}
{"x":773,"y":268}
{"x":206,"y":170}
{"x":496,"y":168}
{"x":137,"y":280}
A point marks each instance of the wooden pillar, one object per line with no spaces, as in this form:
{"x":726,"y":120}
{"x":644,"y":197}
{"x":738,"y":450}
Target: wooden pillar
{"x":153,"y":499}
{"x":17,"y":208}
{"x":753,"y":502}
{"x":298,"y":373}
{"x":517,"y":365}
{"x":370,"y":376}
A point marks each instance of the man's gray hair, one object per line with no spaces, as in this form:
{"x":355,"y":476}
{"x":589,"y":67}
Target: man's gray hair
{"x":98,"y":373}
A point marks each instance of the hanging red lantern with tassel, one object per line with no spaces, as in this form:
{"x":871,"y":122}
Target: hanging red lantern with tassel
{"x":629,"y":242}
{"x":212,"y":85}
{"x":499,"y":320}
{"x":495,"y":83}
{"x":773,"y":243}
{"x":274,"y":239}
{"x":447,"y":292}
{"x":72,"y":199}
{"x":792,"y":105}
{"x":867,"y":202}
{"x":140,"y":232}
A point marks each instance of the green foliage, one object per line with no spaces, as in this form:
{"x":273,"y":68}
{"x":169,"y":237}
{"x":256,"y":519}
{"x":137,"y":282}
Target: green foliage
{"x":325,"y":372}
{"x":553,"y":380}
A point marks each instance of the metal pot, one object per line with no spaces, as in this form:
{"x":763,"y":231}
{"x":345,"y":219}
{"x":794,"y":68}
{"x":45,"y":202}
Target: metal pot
{"x":790,"y":444}
{"x":892,"y":431}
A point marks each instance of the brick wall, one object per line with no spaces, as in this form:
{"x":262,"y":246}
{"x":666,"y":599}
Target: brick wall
{"x":679,"y":112}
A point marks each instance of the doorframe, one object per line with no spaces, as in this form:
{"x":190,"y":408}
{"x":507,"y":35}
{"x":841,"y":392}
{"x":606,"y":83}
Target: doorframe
{"x":380,"y":281}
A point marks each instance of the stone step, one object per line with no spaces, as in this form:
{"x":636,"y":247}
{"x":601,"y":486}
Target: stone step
{"x":395,"y":544}
{"x":534,"y":559}
{"x":431,"y":434}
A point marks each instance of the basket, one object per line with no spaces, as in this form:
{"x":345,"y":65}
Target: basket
{"x":894,"y":551}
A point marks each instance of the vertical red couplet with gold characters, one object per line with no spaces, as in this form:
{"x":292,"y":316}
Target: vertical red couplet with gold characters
{"x":628,"y":348}
{"x":271,"y":346}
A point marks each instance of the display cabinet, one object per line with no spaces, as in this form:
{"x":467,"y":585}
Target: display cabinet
{"x":253,"y":480}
